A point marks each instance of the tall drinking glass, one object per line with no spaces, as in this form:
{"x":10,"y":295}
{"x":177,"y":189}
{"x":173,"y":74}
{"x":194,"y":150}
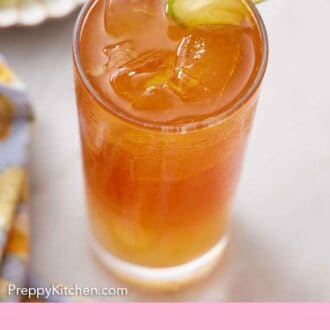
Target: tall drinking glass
{"x":160,"y":185}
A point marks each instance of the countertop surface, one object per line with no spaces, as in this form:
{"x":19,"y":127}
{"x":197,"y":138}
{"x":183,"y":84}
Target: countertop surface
{"x":280,"y":243}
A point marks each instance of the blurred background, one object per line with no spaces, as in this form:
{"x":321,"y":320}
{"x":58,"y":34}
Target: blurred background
{"x":280,"y":240}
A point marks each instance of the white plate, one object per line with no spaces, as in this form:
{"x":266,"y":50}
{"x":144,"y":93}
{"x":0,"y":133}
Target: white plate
{"x":34,"y":12}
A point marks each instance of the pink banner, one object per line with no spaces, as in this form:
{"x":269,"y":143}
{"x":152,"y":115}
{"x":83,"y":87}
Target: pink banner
{"x":166,"y":316}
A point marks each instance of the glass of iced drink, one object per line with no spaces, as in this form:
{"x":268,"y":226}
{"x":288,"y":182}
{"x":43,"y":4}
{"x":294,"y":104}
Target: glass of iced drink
{"x":166,"y":94}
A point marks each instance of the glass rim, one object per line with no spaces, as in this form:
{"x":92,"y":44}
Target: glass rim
{"x":164,"y":127}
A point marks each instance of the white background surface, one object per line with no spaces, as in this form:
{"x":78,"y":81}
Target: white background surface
{"x":280,"y":248}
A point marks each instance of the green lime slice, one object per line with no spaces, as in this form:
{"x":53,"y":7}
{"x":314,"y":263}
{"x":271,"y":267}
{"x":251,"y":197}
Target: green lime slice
{"x":191,"y":13}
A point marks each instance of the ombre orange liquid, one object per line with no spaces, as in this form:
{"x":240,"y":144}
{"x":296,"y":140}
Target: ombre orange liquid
{"x":163,"y":127}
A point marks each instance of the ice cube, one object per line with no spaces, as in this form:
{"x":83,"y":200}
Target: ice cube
{"x":119,"y":54}
{"x":206,"y":61}
{"x":123,"y":16}
{"x":142,"y":81}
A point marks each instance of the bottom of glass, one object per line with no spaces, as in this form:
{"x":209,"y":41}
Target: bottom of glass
{"x":169,"y":278}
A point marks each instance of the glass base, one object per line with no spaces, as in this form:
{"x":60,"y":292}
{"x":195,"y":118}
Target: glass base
{"x":169,"y":278}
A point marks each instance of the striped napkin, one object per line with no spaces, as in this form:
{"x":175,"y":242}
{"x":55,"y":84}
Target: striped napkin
{"x":15,"y":130}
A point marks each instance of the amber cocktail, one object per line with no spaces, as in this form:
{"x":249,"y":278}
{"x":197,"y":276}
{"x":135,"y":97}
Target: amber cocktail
{"x":165,"y":111}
